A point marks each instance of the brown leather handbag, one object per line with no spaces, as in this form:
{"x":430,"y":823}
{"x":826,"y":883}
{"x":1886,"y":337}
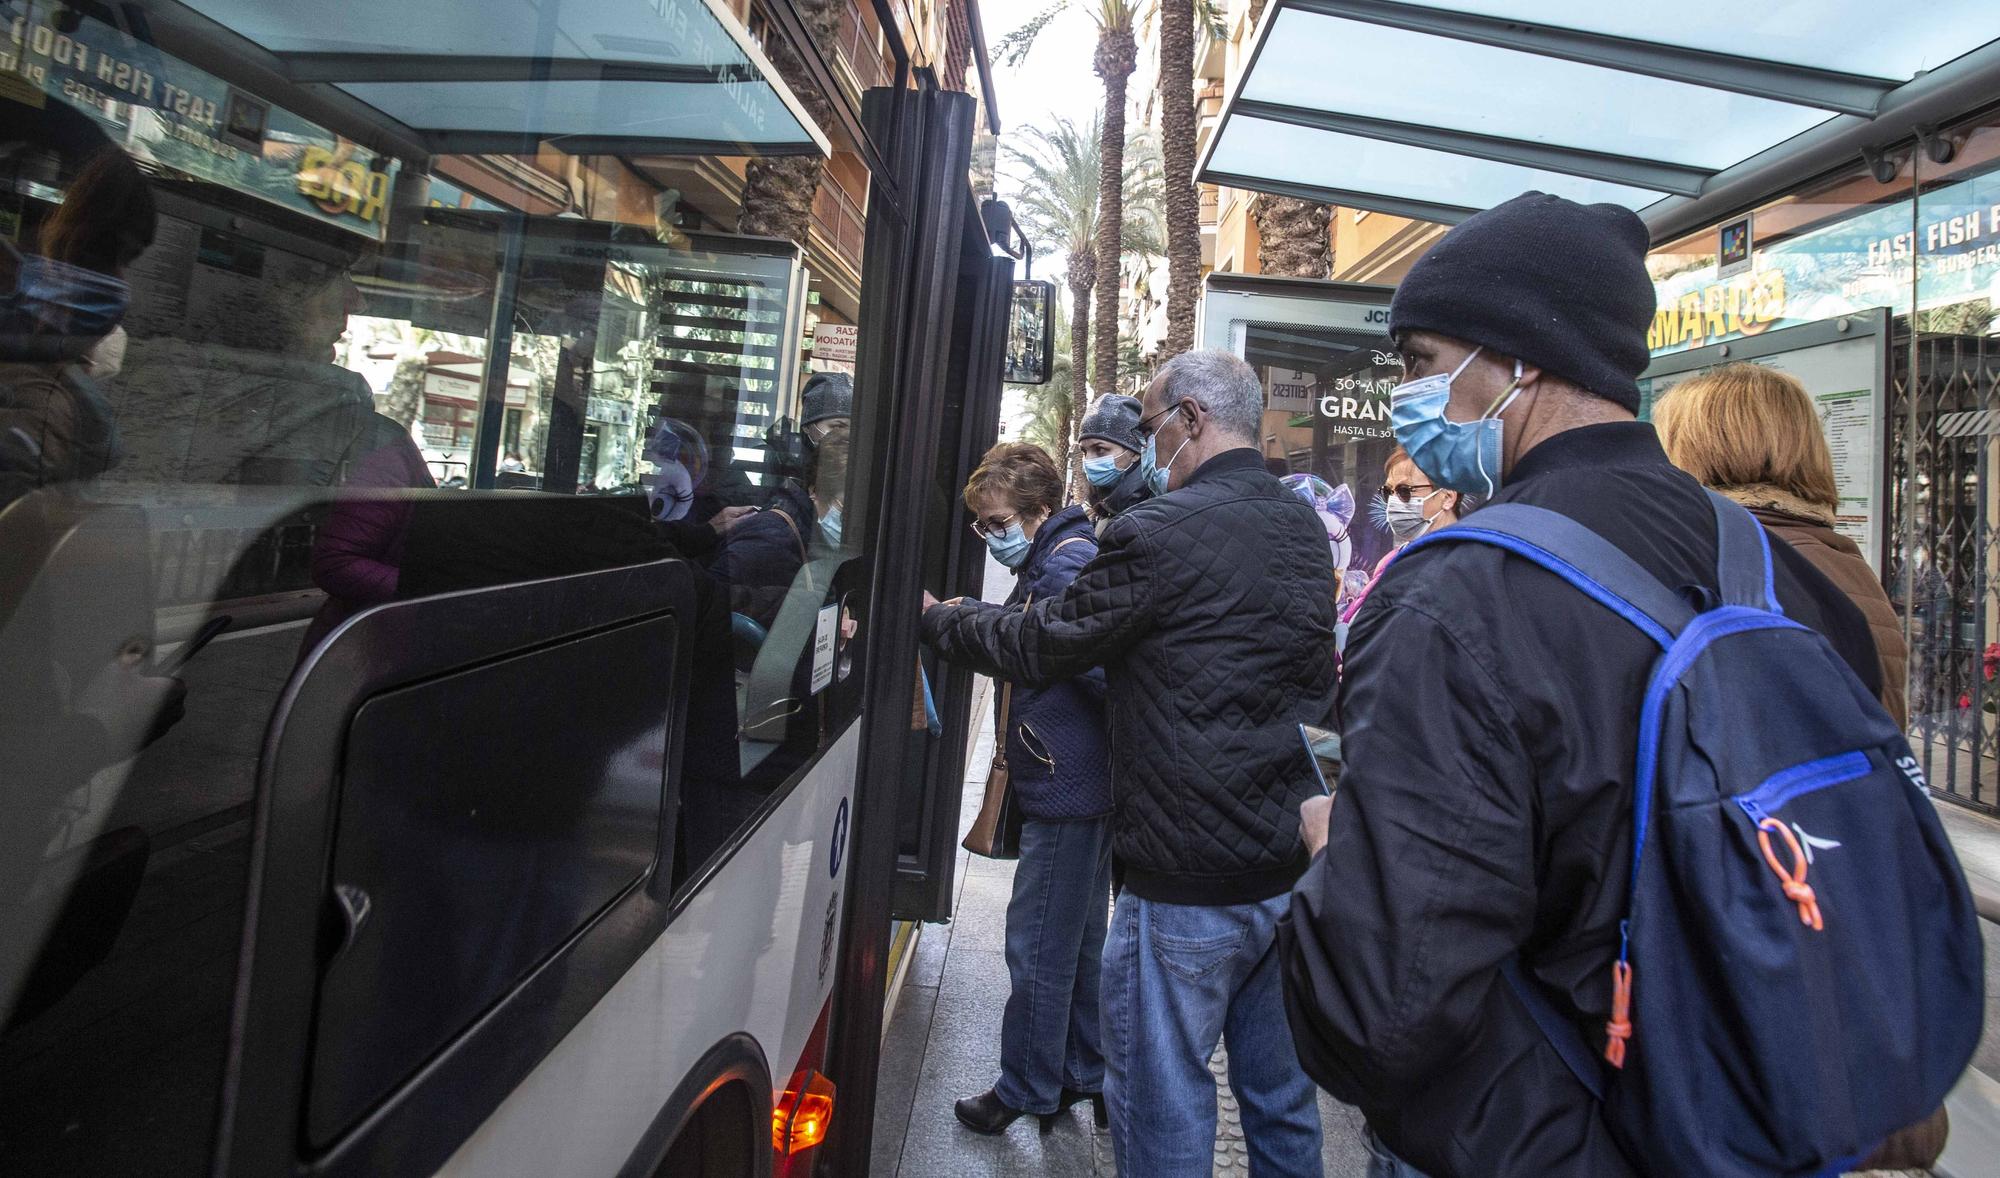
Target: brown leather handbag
{"x":996,"y":833}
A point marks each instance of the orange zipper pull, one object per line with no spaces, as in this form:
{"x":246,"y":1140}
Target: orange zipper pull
{"x":1794,"y":879}
{"x":1619,"y":1029}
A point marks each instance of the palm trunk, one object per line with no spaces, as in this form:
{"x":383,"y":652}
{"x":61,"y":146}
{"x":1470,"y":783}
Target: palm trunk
{"x":1117,"y":56}
{"x":1292,"y":237}
{"x":1081,"y":275}
{"x":1183,"y":203}
{"x":778,"y":191}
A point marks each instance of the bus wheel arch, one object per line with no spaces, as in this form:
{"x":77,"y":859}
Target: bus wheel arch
{"x":718,"y":1121}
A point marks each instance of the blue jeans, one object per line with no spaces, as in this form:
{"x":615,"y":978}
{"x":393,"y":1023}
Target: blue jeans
{"x":1177,"y":977}
{"x":1055,"y":952}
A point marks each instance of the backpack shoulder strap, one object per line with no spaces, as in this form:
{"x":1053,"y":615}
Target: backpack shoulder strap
{"x":1743,"y":568}
{"x":1065,"y":543}
{"x":1578,"y":555}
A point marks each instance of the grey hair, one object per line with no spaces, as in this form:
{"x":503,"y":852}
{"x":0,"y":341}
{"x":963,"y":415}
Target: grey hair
{"x":1221,"y":383}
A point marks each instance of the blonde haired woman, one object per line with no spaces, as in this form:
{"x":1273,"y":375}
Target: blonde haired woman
{"x":1752,"y":434}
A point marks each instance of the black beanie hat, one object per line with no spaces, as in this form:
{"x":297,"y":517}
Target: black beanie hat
{"x":1546,"y":281}
{"x":827,"y":394}
{"x":1114,"y":418}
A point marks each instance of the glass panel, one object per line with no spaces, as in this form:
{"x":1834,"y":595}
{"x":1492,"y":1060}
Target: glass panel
{"x":1326,"y":432}
{"x":1853,"y":36}
{"x":722,"y":99}
{"x":1951,"y":378}
{"x":1279,"y":151}
{"x":679,"y":32}
{"x":695,"y":111}
{"x":1434,"y":81}
{"x":247,"y":358}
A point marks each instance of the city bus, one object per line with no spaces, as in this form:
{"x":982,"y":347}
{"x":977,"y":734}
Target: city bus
{"x":463,"y":710}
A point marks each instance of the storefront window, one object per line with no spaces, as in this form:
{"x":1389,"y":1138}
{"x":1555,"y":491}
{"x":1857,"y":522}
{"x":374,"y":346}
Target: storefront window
{"x":1881,"y":296}
{"x":1949,"y":378}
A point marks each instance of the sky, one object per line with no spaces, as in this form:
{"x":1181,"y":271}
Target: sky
{"x":1054,"y":80}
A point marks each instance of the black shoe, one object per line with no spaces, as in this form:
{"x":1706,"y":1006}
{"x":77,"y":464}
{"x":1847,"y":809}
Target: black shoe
{"x":986,"y":1113}
{"x":1072,"y":1096}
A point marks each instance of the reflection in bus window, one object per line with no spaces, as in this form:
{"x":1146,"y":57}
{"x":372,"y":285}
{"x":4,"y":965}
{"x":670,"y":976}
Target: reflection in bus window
{"x":260,"y":379}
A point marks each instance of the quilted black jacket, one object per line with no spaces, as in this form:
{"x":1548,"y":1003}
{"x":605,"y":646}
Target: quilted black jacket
{"x":1211,"y":611}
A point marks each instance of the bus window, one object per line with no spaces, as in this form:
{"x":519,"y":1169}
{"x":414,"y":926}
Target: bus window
{"x":265,"y":367}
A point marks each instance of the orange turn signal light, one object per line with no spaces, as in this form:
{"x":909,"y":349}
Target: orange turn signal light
{"x":803,"y":1114}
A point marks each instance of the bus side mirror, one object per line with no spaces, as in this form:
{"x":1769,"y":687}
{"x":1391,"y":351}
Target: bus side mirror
{"x":1031,"y":337}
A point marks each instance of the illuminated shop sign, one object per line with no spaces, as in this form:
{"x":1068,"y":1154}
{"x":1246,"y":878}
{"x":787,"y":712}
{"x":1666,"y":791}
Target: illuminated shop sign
{"x":1951,"y":255}
{"x":166,"y":112}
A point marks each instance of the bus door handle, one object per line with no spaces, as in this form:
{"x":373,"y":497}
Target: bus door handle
{"x":347,"y":909}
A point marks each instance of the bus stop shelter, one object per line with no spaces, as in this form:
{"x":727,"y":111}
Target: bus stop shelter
{"x":1436,"y":112}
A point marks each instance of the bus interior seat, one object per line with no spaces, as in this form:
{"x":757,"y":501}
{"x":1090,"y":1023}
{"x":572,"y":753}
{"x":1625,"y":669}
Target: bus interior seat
{"x":773,"y":692}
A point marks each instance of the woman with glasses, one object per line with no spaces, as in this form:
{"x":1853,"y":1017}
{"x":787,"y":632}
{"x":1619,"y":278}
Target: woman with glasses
{"x":1411,"y":508}
{"x":1058,"y":757}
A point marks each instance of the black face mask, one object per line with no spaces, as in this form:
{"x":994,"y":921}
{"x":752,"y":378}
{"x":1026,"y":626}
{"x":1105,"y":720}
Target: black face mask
{"x":1130,"y":488}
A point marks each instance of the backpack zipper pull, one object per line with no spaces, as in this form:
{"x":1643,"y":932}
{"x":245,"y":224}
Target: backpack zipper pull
{"x":1794,"y":879}
{"x":1619,"y":1029}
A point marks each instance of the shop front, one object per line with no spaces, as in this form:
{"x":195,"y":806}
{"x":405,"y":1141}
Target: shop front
{"x":1879,"y":286}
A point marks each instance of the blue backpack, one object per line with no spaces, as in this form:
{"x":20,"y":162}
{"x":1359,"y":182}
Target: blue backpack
{"x":1800,"y":972}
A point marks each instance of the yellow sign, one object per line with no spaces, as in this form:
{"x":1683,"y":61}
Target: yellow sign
{"x":1743,"y":305}
{"x":340,"y":186}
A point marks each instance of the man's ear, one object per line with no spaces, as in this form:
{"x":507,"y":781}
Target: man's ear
{"x":1197,"y":417}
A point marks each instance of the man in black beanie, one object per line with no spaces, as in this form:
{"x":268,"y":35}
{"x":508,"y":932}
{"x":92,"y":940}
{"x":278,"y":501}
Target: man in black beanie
{"x":1489,"y":712}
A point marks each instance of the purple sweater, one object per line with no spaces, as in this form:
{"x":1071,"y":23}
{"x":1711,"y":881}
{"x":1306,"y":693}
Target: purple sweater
{"x":358,"y":552}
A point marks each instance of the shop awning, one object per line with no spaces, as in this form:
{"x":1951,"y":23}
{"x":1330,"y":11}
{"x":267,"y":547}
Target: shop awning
{"x":1436,"y":112}
{"x":493,"y":75}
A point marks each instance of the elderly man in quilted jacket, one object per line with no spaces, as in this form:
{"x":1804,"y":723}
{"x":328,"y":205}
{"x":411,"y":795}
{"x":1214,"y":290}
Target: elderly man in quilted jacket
{"x":1210,"y":608}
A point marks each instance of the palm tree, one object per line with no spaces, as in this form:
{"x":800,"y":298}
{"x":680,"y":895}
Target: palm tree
{"x":1058,"y":169}
{"x":1117,"y":55}
{"x":1177,"y":126}
{"x":1292,"y":236}
{"x":778,"y":191}
{"x":1051,"y":412}
{"x":1057,"y":206}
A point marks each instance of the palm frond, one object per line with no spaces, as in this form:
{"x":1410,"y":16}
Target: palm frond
{"x":1212,"y":17}
{"x":1012,"y":49}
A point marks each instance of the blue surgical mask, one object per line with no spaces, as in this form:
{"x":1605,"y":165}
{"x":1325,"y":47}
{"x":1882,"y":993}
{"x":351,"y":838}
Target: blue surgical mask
{"x":61,"y":299}
{"x":1102,"y":472}
{"x":1131,"y":488}
{"x":829,"y":525}
{"x":1010,"y":546}
{"x":1460,"y":455}
{"x":1156,"y":475}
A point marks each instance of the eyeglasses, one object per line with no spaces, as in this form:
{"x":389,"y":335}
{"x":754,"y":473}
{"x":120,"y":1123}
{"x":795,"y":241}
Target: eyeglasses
{"x":1405,"y":491}
{"x":987,"y":527}
{"x":1146,"y":430}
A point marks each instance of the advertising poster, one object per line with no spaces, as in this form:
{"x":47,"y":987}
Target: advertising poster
{"x":1869,"y":260}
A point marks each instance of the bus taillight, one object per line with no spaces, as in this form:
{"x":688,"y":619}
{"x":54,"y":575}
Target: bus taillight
{"x":802,"y":1116}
